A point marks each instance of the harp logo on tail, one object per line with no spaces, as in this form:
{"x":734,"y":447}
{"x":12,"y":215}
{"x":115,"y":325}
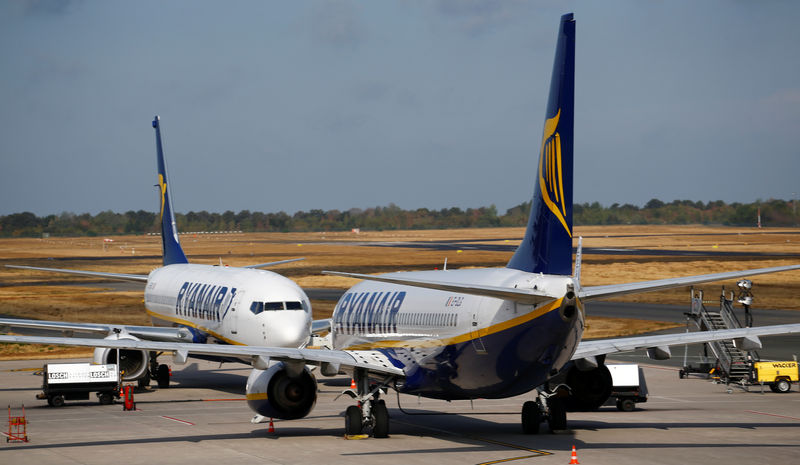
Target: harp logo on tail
{"x":551,"y":180}
{"x":162,"y":185}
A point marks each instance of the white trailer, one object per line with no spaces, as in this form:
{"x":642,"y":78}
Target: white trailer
{"x":74,"y":381}
{"x":629,"y":386}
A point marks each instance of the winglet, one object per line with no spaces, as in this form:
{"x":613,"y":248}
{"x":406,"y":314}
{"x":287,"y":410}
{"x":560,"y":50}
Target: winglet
{"x":547,"y":245}
{"x":173,"y":253}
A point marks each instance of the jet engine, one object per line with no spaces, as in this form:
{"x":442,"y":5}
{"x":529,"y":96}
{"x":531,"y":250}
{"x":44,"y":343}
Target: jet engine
{"x":282,"y":391}
{"x":589,"y":388}
{"x":132,"y":363}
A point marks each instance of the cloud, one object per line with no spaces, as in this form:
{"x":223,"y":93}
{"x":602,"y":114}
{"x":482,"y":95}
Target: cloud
{"x":477,"y":17}
{"x":49,"y":8}
{"x":338,"y":24}
{"x":370,"y":91}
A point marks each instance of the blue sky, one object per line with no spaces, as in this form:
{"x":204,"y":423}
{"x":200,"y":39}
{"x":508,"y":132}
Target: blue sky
{"x":271,"y":106}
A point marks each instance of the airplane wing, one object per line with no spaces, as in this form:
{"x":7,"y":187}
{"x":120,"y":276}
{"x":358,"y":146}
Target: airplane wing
{"x":146,"y":332}
{"x":524,"y":296}
{"x":372,"y":361}
{"x":594,"y":348}
{"x":139,"y":278}
{"x":614,"y":290}
{"x":279,"y":262}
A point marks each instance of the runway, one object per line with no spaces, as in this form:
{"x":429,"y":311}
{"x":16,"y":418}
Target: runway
{"x":203,"y":419}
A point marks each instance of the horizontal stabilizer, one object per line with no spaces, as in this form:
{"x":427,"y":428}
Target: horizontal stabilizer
{"x":279,"y":262}
{"x":614,"y":290}
{"x":609,"y":346}
{"x":139,"y":278}
{"x":523,"y":296}
{"x":320,"y":326}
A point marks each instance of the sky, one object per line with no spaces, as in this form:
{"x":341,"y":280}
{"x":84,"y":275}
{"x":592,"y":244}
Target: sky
{"x":286,"y":106}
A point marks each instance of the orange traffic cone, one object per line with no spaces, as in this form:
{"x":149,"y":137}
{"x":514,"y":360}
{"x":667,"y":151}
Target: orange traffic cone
{"x":271,"y":427}
{"x":352,"y":383}
{"x":574,"y":457}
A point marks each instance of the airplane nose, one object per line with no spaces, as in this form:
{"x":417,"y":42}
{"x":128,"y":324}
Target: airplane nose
{"x":289,"y":329}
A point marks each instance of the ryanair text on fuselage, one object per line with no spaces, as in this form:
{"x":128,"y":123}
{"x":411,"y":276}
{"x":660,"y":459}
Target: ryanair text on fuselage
{"x":205,"y":301}
{"x":372,"y":312}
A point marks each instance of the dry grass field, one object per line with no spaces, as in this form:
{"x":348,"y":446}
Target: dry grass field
{"x":29,"y":294}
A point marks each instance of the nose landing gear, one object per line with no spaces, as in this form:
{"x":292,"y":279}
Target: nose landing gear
{"x":370,"y":413}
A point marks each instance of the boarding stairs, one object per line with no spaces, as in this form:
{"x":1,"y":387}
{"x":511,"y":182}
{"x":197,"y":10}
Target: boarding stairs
{"x":733,"y":365}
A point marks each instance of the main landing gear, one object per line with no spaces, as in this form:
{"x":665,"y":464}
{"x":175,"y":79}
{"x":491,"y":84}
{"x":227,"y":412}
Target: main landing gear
{"x":547,"y":407}
{"x":370,"y":413}
{"x":160,"y":373}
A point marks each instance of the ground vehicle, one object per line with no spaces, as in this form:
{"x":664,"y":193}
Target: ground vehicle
{"x":629,"y":386}
{"x":74,"y":381}
{"x":778,"y":375}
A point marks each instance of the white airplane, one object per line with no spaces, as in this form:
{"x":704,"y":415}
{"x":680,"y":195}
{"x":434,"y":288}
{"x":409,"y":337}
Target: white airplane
{"x":195,"y":303}
{"x":466,"y":334}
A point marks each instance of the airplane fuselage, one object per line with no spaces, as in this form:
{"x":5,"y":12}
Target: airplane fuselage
{"x":461,"y":346}
{"x":230,"y":305}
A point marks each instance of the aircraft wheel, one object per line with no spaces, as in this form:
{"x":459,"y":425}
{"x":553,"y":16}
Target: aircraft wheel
{"x":352,"y":420}
{"x":557,"y":420}
{"x":105,"y":398}
{"x":162,"y":376}
{"x":143,"y":382}
{"x":57,"y":401}
{"x":782,"y":386}
{"x":381,"y":416}
{"x":531,"y":417}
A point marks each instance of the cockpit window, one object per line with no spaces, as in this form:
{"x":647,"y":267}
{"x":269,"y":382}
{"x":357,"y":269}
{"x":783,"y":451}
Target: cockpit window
{"x":257,"y":307}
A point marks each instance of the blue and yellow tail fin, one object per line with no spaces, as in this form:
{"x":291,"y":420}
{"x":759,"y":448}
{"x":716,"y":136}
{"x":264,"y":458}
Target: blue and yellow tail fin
{"x":547,"y":245}
{"x":173,"y":253}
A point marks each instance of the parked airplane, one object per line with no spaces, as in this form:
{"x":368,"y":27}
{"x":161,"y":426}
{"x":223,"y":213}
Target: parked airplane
{"x":465,"y":334}
{"x":195,"y":303}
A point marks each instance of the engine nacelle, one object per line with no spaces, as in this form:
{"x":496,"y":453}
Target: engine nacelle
{"x":274,"y":393}
{"x":132,"y":363}
{"x":589,"y":389}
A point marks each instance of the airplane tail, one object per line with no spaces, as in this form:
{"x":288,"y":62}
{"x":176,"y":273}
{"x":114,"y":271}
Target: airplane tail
{"x":547,"y":245}
{"x":173,"y":253}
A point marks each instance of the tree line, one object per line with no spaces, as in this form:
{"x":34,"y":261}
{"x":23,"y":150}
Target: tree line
{"x":774,"y":213}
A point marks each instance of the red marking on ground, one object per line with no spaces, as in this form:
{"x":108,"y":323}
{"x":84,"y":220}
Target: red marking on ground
{"x":772,"y":415}
{"x":179,"y":421}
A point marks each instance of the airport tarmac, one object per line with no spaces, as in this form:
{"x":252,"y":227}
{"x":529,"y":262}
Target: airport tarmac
{"x":203,"y":418}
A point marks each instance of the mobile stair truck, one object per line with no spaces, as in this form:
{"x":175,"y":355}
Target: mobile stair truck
{"x":74,"y":381}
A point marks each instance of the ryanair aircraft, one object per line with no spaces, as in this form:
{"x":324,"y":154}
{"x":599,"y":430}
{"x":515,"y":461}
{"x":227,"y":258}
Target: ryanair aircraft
{"x":195,"y":303}
{"x":466,"y":334}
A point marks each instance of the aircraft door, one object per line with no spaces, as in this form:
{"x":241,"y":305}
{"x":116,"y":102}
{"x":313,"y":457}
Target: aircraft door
{"x":477,"y":342}
{"x":232,"y":318}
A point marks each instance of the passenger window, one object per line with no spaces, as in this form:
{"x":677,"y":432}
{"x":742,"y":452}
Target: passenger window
{"x":296,"y":305}
{"x":257,"y":307}
{"x":273,"y":306}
